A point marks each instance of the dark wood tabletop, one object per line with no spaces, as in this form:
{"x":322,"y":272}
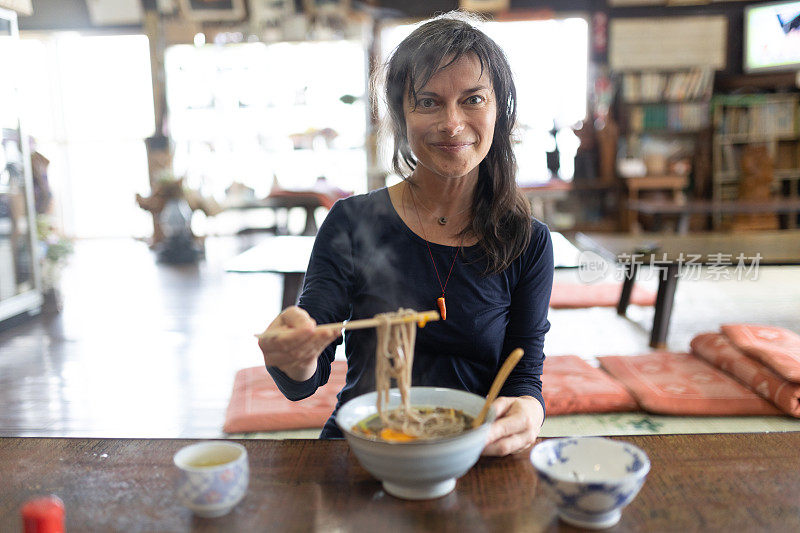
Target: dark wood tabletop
{"x":717,"y":482}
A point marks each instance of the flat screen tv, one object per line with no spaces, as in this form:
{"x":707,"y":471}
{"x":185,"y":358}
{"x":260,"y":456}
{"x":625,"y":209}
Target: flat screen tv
{"x":772,"y":37}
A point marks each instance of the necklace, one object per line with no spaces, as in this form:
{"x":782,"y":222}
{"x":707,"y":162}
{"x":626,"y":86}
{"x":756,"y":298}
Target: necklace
{"x":439,"y":301}
{"x":442,"y":220}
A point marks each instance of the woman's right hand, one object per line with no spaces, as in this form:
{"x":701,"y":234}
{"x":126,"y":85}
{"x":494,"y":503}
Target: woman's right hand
{"x":292,"y":343}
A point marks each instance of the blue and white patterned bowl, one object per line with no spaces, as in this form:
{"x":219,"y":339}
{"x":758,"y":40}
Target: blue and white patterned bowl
{"x":214,"y":477}
{"x":590,"y":478}
{"x":423,"y":469}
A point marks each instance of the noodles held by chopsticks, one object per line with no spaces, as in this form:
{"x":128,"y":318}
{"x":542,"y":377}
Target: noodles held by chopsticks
{"x":394,"y":356}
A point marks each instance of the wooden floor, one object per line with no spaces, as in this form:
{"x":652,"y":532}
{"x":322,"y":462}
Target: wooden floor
{"x":148,"y":350}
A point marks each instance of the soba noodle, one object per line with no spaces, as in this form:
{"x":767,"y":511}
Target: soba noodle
{"x":394,"y":356}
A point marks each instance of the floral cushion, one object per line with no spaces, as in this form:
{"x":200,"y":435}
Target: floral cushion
{"x":682,"y":384}
{"x":718,"y":350}
{"x":257,"y":404}
{"x":776,"y":347}
{"x":571,"y":385}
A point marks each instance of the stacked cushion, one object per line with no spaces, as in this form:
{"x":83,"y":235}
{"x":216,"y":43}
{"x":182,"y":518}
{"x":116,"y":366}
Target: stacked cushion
{"x":775,"y":347}
{"x":720,"y":351}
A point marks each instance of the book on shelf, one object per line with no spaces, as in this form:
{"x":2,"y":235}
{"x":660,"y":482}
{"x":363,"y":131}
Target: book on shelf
{"x":688,"y":116}
{"x":735,"y":121}
{"x":787,"y":156}
{"x":730,"y":159}
{"x":759,"y":118}
{"x":636,"y":119}
{"x":702,"y":83}
{"x":779,"y":118}
{"x":676,"y":86}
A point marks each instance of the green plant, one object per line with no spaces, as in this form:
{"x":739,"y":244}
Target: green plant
{"x":56,"y":247}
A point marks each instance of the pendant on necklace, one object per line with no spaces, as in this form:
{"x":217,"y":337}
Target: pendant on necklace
{"x":442,"y":221}
{"x":442,"y":307}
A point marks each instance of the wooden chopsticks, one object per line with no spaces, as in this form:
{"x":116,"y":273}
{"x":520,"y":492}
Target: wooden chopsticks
{"x":421,"y":319}
{"x":511,"y":361}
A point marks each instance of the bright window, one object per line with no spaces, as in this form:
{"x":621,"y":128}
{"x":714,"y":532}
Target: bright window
{"x":251,"y":112}
{"x":88,"y":104}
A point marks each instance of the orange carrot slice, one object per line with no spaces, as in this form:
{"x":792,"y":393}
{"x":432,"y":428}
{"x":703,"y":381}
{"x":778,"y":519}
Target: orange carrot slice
{"x":391,"y":435}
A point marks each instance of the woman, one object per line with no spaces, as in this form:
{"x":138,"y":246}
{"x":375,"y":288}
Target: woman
{"x":455,"y":229}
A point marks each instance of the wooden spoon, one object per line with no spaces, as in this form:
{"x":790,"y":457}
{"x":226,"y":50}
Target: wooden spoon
{"x":511,"y":361}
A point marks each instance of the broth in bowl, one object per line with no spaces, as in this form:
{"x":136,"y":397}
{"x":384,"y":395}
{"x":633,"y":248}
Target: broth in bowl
{"x":418,"y":423}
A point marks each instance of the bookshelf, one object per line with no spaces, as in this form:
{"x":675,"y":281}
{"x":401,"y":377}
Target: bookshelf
{"x":666,"y":102}
{"x":772,"y":120}
{"x":664,"y":120}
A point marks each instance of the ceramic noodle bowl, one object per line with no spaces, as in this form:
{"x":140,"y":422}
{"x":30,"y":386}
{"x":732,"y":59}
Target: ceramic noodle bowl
{"x":590,"y":478}
{"x":420,"y":469}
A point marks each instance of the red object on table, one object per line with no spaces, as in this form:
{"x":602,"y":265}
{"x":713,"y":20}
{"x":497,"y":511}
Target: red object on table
{"x":43,"y":515}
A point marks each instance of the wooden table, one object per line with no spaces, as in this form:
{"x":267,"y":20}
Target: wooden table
{"x":543,"y":197}
{"x":289,"y":255}
{"x":280,"y":205}
{"x":281,"y":200}
{"x":683,"y":211}
{"x":673,"y":184}
{"x":717,"y":482}
{"x":670,"y":253}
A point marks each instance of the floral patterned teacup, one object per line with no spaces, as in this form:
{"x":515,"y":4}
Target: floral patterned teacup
{"x":590,"y":478}
{"x":213,"y":477}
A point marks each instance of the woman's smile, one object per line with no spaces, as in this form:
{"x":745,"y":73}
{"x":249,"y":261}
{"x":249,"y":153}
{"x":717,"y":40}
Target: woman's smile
{"x":453,"y":147}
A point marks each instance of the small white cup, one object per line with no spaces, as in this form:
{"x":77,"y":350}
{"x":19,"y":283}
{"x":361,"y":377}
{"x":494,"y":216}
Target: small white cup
{"x":214,"y":477}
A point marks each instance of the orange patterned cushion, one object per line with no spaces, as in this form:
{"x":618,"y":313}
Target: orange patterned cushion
{"x":571,"y":385}
{"x":778,"y":348}
{"x":581,"y":295}
{"x":718,"y":350}
{"x":257,"y":404}
{"x":682,"y":384}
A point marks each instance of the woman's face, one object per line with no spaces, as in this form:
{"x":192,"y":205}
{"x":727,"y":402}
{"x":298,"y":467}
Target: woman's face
{"x":451,"y":125}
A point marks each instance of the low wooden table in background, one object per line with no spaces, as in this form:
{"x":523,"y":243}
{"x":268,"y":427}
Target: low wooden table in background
{"x":543,"y":197}
{"x":288,"y":255}
{"x":669,"y":253}
{"x":660,"y":208}
{"x":672,"y":184}
{"x":282,"y":200}
{"x":280,"y":205}
{"x":717,"y":482}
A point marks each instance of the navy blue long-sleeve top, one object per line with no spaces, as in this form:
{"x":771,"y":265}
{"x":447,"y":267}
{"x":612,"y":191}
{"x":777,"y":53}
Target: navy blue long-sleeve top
{"x":366,"y":261}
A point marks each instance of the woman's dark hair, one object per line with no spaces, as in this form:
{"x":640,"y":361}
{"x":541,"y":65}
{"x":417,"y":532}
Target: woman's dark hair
{"x":501,"y":215}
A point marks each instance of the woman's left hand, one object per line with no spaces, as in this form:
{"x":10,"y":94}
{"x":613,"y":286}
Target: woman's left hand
{"x":516,"y":427}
